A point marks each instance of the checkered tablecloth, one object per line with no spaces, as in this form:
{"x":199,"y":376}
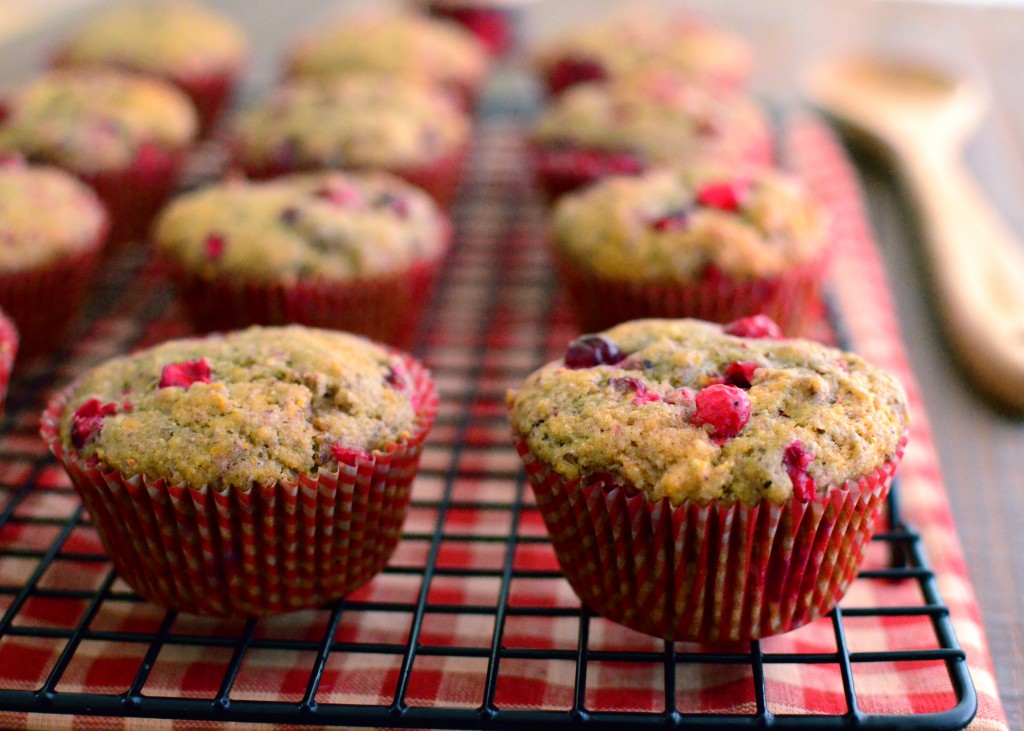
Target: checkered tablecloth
{"x":496,"y":316}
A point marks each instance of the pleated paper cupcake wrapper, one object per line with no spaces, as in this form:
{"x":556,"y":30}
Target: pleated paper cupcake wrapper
{"x":8,"y":351}
{"x":558,"y":171}
{"x":790,"y":298}
{"x":713,"y":573}
{"x":491,"y":25}
{"x":134,"y":194}
{"x":43,"y":301}
{"x":210,"y":93}
{"x":440,"y":179}
{"x":264,"y":550}
{"x":386,"y":308}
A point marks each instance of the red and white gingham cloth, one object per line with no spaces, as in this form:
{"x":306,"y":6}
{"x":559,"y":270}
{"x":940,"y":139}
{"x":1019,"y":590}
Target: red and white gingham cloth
{"x":521,"y":329}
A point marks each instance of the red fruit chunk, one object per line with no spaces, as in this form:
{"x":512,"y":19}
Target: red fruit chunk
{"x":185,"y":374}
{"x":394,"y":379}
{"x":796,"y":459}
{"x":592,"y":350}
{"x":758,"y":326}
{"x":339,"y":195}
{"x":344,"y":455}
{"x":724,"y":195}
{"x":643,"y":396}
{"x":88,"y":419}
{"x":214,"y":247}
{"x":569,"y":71}
{"x":740,"y":373}
{"x":726,"y":408}
{"x":674,"y":221}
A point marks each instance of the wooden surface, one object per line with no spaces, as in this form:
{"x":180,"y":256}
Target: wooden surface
{"x":981,"y":451}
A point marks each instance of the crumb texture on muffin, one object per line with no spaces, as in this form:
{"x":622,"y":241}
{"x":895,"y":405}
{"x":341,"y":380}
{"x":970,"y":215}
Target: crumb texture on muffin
{"x":94,"y":120}
{"x":321,"y":225}
{"x":662,"y":414}
{"x":626,"y":45}
{"x":45,"y":214}
{"x":353,"y":122}
{"x":254,"y":406}
{"x":175,"y":39}
{"x":403,"y":44}
{"x":657,"y":118}
{"x":673,"y":225}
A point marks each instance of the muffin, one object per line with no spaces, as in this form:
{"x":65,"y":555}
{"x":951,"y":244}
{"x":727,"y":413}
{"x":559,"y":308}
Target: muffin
{"x":626,"y":46}
{"x":695,"y":242}
{"x":353,"y":252}
{"x":408,"y":45}
{"x":199,"y":51}
{"x":255,"y":472}
{"x":357,"y":122}
{"x":709,"y":483}
{"x":53,"y":227}
{"x":488,"y":20}
{"x":600,"y":129}
{"x":124,"y":135}
{"x":8,"y":351}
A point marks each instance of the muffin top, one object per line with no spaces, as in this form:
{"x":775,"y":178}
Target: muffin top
{"x":324,"y":225}
{"x":657,"y":118}
{"x":252,"y":406}
{"x":675,"y":225}
{"x":95,"y":120}
{"x":352,"y":122}
{"x":45,"y":214}
{"x":625,"y":46}
{"x":400,"y":44}
{"x":685,"y":410}
{"x":173,"y":39}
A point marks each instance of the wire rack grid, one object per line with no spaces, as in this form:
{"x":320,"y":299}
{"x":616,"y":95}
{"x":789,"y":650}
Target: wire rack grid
{"x":463,"y":629}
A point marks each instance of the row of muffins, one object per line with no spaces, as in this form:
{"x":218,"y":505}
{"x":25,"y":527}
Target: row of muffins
{"x":121,"y":113}
{"x":647,"y":423}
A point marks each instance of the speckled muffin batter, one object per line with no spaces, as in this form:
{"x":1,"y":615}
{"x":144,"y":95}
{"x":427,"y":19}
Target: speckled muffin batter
{"x":625,"y":46}
{"x":407,"y":45}
{"x":354,"y":122}
{"x":324,"y":225}
{"x":258,"y":405}
{"x":685,"y":410}
{"x":93,"y":120}
{"x":657,"y":118}
{"x":45,"y":214}
{"x":672,"y":225}
{"x":175,"y":39}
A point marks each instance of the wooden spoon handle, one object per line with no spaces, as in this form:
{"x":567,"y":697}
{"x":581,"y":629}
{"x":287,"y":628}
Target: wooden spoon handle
{"x":978,"y":268}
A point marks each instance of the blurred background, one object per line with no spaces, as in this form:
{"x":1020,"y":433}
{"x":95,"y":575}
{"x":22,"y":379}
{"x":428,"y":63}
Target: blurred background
{"x":981,"y":450}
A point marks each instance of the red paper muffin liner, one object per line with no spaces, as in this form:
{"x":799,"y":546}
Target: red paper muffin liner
{"x":790,"y":298}
{"x":263,"y":550}
{"x":385,"y":308}
{"x":134,"y":194}
{"x":440,"y":179}
{"x":559,"y":170}
{"x":489,"y":24}
{"x":707,"y":573}
{"x":44,"y":300}
{"x":8,"y":351}
{"x":210,"y":94}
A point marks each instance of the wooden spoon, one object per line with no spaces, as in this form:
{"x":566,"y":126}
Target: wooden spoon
{"x":923,"y":118}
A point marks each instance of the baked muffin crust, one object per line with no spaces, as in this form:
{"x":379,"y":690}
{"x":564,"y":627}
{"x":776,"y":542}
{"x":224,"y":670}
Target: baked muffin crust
{"x":330,"y":225}
{"x":93,"y":120}
{"x":637,"y":416}
{"x":253,"y":406}
{"x":672,"y":225}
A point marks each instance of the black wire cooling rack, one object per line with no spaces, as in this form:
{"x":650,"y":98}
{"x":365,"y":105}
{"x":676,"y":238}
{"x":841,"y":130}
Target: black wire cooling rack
{"x":494,"y":318}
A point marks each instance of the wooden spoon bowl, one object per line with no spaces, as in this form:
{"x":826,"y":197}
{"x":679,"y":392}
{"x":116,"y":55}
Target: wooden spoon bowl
{"x":922,"y":117}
